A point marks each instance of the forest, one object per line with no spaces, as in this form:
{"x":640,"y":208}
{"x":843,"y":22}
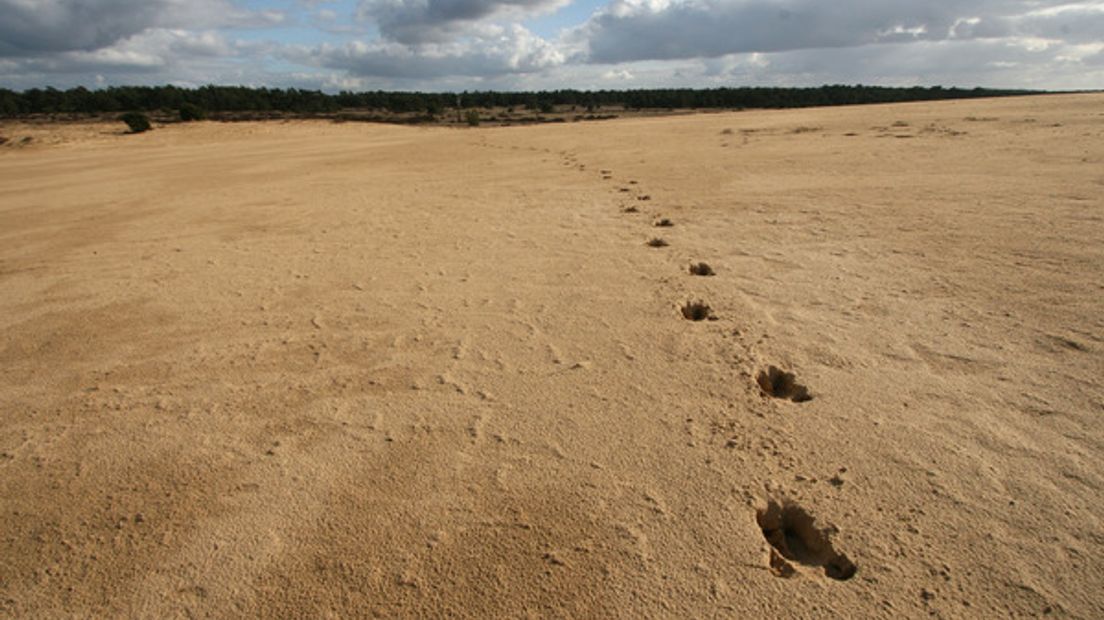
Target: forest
{"x":228,"y":99}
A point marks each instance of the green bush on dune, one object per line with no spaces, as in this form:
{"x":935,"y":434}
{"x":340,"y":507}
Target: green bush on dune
{"x":137,"y":121}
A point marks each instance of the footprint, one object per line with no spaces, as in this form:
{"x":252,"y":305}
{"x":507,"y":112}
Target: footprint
{"x":664,"y":223}
{"x":697,"y":311}
{"x":644,"y":197}
{"x":794,"y":537}
{"x":630,"y":209}
{"x":781,"y":384}
{"x":657,"y":242}
{"x":701,"y":269}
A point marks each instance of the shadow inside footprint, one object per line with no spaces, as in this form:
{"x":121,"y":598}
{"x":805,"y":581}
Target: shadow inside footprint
{"x":781,"y":384}
{"x":657,"y":242}
{"x":701,"y":269}
{"x":794,"y":537}
{"x":664,"y":223}
{"x":697,"y":311}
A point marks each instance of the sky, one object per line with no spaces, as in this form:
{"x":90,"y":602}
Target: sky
{"x":455,"y":45}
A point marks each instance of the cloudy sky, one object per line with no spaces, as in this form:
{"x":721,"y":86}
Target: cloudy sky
{"x":542,"y":44}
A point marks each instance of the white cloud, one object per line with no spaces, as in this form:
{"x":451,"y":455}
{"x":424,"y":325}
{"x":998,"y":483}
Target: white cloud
{"x":415,"y":22}
{"x":464,"y":44}
{"x":32,"y":27}
{"x":486,"y":52}
{"x":630,"y":30}
{"x":622,"y":75}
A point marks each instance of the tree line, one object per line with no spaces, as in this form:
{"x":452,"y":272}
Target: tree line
{"x":217,"y":99}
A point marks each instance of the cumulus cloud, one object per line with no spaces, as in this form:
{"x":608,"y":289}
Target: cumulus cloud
{"x":488,"y":51}
{"x":31,"y":27}
{"x":630,"y":30}
{"x":433,"y":21}
{"x":455,"y":44}
{"x":1074,"y":23}
{"x":152,"y":51}
{"x":966,"y":63}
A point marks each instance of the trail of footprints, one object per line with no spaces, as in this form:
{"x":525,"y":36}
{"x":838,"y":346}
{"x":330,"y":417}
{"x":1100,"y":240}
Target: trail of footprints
{"x":790,"y":531}
{"x":792,"y":535}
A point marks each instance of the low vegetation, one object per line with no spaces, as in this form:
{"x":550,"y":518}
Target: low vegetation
{"x":136,"y":121}
{"x":191,"y":112}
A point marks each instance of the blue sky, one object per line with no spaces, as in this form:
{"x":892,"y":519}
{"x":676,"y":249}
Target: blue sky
{"x":538,"y":44}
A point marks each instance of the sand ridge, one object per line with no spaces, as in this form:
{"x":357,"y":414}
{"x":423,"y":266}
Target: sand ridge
{"x":315,"y":369}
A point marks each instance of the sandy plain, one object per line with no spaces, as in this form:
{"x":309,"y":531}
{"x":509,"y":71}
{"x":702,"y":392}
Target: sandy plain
{"x":306,"y":369}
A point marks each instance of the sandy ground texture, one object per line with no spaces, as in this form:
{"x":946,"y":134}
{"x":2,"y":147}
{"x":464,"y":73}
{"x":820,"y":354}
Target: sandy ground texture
{"x":308,"y":369}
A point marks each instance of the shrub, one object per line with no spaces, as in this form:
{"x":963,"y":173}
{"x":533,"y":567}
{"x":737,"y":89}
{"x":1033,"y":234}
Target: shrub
{"x":472,"y":117}
{"x":192,"y":112}
{"x":137,"y":121}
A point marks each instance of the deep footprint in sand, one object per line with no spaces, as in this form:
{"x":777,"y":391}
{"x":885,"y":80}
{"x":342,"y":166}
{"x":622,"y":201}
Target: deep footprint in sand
{"x":701,"y":269}
{"x":697,"y":311}
{"x":781,"y":384}
{"x":794,"y":538}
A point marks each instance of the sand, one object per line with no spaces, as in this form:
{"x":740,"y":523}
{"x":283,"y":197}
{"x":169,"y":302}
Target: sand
{"x":306,"y":369}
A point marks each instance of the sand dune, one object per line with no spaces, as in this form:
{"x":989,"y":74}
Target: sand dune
{"x":318,"y":370}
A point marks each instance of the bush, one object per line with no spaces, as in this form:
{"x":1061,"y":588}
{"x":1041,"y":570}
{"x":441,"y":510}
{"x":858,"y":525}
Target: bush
{"x":137,"y":121}
{"x":472,"y":117}
{"x":192,"y":112}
